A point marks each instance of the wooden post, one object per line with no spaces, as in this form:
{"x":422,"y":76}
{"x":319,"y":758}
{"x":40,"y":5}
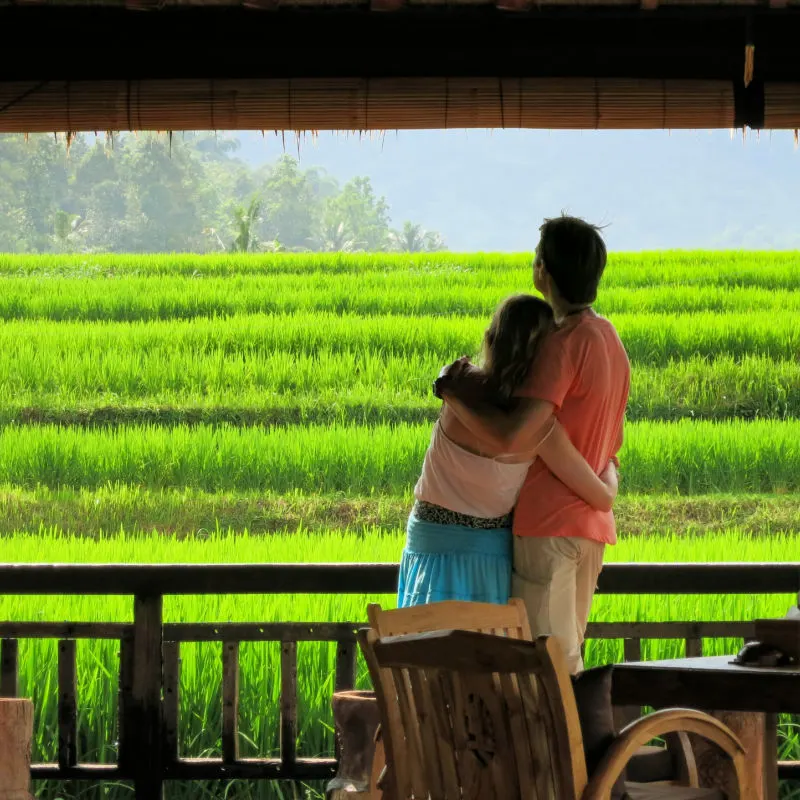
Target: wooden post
{"x":16,"y":732}
{"x":145,"y":744}
{"x":624,"y":715}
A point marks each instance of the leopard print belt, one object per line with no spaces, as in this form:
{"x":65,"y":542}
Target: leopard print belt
{"x":428,"y":512}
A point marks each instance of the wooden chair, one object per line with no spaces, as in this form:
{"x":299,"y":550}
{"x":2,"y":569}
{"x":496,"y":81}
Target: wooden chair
{"x":487,"y":717}
{"x":675,"y":762}
{"x":502,"y":620}
{"x":353,"y":717}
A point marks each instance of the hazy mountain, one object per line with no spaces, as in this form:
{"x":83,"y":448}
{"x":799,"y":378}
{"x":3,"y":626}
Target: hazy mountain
{"x":490,"y":190}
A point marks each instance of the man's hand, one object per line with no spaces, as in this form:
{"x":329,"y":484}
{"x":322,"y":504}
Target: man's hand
{"x":460,"y":378}
{"x":610,"y":477}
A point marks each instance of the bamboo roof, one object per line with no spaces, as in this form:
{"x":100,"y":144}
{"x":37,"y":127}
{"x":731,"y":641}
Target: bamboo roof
{"x":397,"y":5}
{"x":73,"y":65}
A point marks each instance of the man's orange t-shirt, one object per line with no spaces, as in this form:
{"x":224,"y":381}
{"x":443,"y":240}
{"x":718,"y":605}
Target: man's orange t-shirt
{"x":583,"y":370}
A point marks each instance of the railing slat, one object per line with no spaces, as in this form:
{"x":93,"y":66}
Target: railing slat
{"x":250,"y":769}
{"x":261,"y":632}
{"x":669,"y":630}
{"x":632,"y":649}
{"x":288,"y":706}
{"x":345,"y":666}
{"x":341,"y":578}
{"x":67,"y":705}
{"x":694,"y":647}
{"x":344,"y":631}
{"x":9,"y":668}
{"x":260,"y":769}
{"x":230,"y":702}
{"x":345,"y":676}
{"x":124,"y":705}
{"x":64,"y":630}
{"x":172,"y":693}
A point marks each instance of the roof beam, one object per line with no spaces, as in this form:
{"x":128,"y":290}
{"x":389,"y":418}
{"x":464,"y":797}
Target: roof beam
{"x":388,"y":5}
{"x":514,"y":5}
{"x":487,"y":42}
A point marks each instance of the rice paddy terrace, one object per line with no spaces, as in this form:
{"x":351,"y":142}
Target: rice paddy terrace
{"x":276,"y":408}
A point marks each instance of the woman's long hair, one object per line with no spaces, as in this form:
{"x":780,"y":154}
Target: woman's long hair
{"x":511,"y":341}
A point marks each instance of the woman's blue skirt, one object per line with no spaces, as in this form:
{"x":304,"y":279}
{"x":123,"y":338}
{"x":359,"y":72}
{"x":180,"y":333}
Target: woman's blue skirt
{"x":453,"y":562}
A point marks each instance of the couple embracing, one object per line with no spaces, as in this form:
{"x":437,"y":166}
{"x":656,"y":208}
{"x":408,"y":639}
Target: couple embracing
{"x":520,"y":476}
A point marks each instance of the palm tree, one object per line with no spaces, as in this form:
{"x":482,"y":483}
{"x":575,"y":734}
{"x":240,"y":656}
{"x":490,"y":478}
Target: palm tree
{"x":245,"y":219}
{"x":335,"y":239}
{"x":214,"y":234}
{"x":434,"y":242}
{"x":415,"y":239}
{"x":410,"y":240}
{"x":65,"y":226}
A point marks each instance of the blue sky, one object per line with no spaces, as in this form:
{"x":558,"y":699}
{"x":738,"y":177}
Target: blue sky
{"x":488,"y":190}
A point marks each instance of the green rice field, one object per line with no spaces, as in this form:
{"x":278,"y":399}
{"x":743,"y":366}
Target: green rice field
{"x":277,"y":408}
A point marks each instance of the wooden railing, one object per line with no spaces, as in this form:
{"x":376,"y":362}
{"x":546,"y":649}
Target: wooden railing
{"x":150,"y":651}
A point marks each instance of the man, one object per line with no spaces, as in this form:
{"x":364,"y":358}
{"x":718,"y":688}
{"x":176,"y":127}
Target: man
{"x":581,"y":374}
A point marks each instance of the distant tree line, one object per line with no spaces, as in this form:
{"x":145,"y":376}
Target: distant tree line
{"x":187,"y":192}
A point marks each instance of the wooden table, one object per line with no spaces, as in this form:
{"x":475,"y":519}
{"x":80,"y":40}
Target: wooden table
{"x":747,"y":699}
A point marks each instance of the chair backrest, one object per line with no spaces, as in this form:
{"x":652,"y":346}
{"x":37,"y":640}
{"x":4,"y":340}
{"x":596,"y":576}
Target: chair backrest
{"x":502,"y":620}
{"x":510,"y":620}
{"x":483,"y":717}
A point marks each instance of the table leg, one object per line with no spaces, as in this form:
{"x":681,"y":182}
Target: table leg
{"x":771,"y":757}
{"x":712,"y":766}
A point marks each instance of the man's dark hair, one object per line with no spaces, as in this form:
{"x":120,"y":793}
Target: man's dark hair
{"x":574,"y":254}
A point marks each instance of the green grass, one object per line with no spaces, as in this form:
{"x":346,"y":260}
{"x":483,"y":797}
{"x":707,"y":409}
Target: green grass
{"x":324,"y":368}
{"x":167,"y":386}
{"x":141,"y":298}
{"x":650,"y":339}
{"x":184,"y":512}
{"x":767,"y":270}
{"x":682,"y":458}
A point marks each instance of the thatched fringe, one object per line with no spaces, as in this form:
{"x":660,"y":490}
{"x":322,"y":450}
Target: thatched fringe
{"x":749,"y":64}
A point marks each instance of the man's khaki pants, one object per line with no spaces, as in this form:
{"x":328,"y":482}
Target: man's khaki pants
{"x":556,"y":578}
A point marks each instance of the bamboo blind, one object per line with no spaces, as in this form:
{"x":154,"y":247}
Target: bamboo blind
{"x":381,"y":104}
{"x":781,"y":105}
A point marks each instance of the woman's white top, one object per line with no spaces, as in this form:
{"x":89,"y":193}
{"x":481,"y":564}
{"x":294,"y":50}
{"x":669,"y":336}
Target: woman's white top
{"x":461,"y":481}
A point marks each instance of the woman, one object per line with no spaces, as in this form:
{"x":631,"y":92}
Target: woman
{"x":458,"y":541}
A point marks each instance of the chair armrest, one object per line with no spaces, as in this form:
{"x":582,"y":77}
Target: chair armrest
{"x":660,"y":723}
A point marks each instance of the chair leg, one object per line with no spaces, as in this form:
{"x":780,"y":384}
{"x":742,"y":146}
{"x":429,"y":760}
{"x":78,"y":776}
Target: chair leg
{"x":377,"y":789}
{"x":680,"y":748}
